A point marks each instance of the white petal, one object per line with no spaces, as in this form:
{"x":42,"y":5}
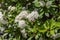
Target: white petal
{"x":22,"y":24}
{"x":24,"y":34}
{"x":32,"y":16}
{"x":22,"y":15}
{"x":1,"y":19}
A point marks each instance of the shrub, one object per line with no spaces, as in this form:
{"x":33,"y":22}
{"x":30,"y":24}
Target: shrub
{"x":29,"y":19}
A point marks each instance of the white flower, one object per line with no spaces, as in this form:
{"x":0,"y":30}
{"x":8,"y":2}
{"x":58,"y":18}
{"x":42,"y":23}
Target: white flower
{"x":9,"y":15}
{"x":30,"y":17}
{"x":11,"y":8}
{"x":47,"y":14}
{"x":22,"y":15}
{"x":21,"y":24}
{"x":24,"y":34}
{"x":17,"y":19}
{"x":2,"y":29}
{"x":42,"y":3}
{"x":5,"y":34}
{"x":2,"y":19}
{"x":55,"y":36}
{"x":48,"y":4}
{"x":34,"y":15}
{"x":1,"y":15}
{"x":23,"y":31}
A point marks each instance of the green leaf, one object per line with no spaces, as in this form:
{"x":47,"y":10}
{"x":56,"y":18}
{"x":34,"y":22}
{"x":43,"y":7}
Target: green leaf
{"x":37,"y":4}
{"x":57,"y":24}
{"x":43,"y":31}
{"x":30,"y":38}
{"x":52,"y":32}
{"x":52,"y":23}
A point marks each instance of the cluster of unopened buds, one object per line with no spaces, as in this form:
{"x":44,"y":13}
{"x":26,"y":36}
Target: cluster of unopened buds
{"x":47,"y":4}
{"x":11,"y":8}
{"x":42,"y":3}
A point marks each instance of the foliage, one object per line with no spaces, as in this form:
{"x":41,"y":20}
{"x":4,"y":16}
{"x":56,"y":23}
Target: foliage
{"x":42,"y":23}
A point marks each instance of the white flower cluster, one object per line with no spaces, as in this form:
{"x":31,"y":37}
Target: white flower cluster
{"x":56,"y":36}
{"x":34,"y":15}
{"x":47,"y":4}
{"x":24,"y":34}
{"x":2,"y":29}
{"x":2,"y":19}
{"x":21,"y":23}
{"x":11,"y":8}
{"x":22,"y":15}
